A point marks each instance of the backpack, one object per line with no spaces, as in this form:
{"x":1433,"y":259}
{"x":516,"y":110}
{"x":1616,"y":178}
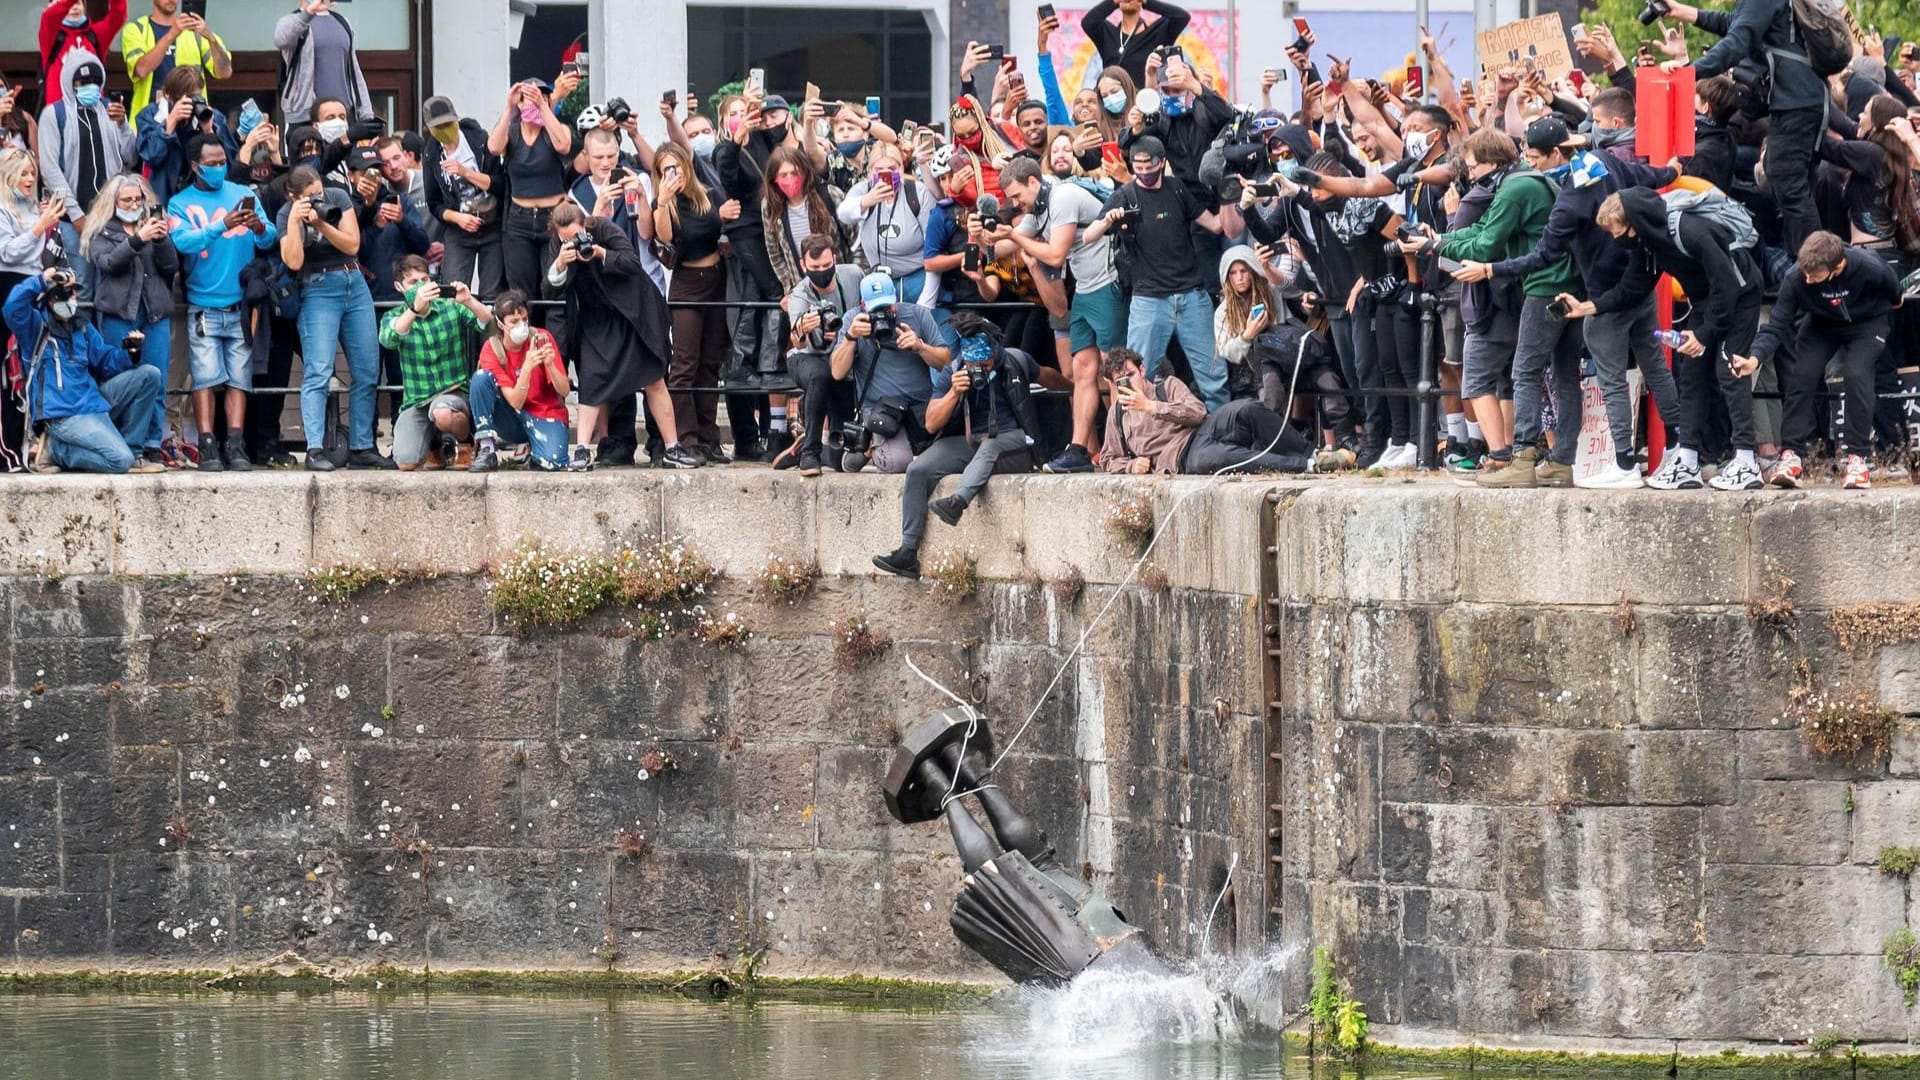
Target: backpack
{"x":1825,"y":30}
{"x":1732,"y":218}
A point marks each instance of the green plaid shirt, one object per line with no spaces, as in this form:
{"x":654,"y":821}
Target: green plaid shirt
{"x":433,"y":351}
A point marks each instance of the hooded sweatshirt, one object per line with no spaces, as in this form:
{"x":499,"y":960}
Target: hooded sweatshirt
{"x":1232,"y":346}
{"x":293,"y":36}
{"x":66,"y":379}
{"x":76,"y":141}
{"x":1718,"y":281}
{"x":1570,"y":226}
{"x":1865,"y":290}
{"x":1511,"y":227}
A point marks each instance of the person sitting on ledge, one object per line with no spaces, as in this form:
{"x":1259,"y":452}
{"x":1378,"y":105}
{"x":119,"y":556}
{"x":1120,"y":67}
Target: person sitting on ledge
{"x":97,"y":402}
{"x":430,"y":334}
{"x":1160,"y":426}
{"x":519,"y":393}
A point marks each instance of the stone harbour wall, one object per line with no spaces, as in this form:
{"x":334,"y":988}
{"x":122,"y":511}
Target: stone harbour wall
{"x":205,"y":766}
{"x":1542,"y":783}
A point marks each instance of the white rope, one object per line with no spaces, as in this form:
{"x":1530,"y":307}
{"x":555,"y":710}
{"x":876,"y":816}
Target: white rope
{"x":1207,"y":934}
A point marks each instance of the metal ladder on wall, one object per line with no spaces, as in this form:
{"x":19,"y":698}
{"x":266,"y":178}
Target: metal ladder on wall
{"x":1272,"y":618}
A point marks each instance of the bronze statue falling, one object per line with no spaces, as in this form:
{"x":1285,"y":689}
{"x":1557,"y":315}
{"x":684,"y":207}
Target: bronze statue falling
{"x":1018,"y":908}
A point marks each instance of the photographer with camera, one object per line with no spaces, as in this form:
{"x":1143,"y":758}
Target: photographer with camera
{"x":616,"y":327}
{"x":429,"y":334}
{"x":97,"y":402}
{"x":983,"y":423}
{"x":1762,"y":39}
{"x":125,"y":237}
{"x":1156,"y":214}
{"x":155,"y":46}
{"x":466,"y":184}
{"x":320,"y":242}
{"x":217,"y":227}
{"x":318,"y":61}
{"x":519,"y":393}
{"x":889,"y":349}
{"x":390,"y":229}
{"x":817,"y":308}
{"x":176,"y":118}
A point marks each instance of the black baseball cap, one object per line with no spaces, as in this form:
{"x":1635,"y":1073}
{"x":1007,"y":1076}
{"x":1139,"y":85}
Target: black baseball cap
{"x":438,"y":111}
{"x":1552,"y":133}
{"x":1148,"y":145}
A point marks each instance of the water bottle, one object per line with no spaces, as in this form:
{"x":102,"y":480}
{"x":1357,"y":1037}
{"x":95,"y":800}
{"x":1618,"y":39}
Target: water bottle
{"x":1672,"y":339}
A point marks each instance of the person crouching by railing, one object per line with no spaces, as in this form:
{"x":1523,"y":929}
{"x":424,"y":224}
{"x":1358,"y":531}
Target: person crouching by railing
{"x":519,"y":394}
{"x":97,"y":402}
{"x":429,"y":334}
{"x":126,"y":239}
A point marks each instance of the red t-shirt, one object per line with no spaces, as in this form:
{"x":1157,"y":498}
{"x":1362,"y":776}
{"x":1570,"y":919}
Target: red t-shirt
{"x":542,"y":402}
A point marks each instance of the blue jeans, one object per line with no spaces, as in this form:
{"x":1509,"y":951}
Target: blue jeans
{"x":104,"y":442}
{"x":338,"y":309}
{"x":1153,"y":320}
{"x":494,"y":419}
{"x":154,"y":354}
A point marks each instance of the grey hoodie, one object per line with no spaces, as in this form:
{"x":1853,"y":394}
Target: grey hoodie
{"x":60,"y":138}
{"x":292,"y":36}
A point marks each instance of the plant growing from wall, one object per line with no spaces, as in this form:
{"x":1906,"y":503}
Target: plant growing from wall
{"x":1902,"y":958}
{"x":1847,"y":726}
{"x":1069,"y":585}
{"x":539,"y":588}
{"x":955,"y":574}
{"x":856,"y":643}
{"x":1130,"y":520}
{"x":1341,"y":1019}
{"x":787,"y":579}
{"x":1899,"y":862}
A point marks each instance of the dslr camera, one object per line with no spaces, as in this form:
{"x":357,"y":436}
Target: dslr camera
{"x":830,"y":322}
{"x":202,"y":111}
{"x":618,"y":110}
{"x":64,"y":285}
{"x":854,"y":437}
{"x":885,"y":326}
{"x":1654,"y":11}
{"x":131,"y":345}
{"x":329,"y":214}
{"x":582,"y":244}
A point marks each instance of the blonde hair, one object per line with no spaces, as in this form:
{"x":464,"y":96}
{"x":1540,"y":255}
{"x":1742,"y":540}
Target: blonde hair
{"x":691,"y":189}
{"x":15,"y":163}
{"x":1612,"y":212}
{"x":106,"y":203}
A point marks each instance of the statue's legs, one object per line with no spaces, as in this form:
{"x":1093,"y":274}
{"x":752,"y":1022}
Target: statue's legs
{"x":1015,"y":830}
{"x":969,"y":839}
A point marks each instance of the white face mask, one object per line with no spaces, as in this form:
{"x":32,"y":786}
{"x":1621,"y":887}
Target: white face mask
{"x":131,"y":217}
{"x":66,"y":309}
{"x":331,"y":130}
{"x":1418,"y":143}
{"x":518,"y":335}
{"x":704,"y":144}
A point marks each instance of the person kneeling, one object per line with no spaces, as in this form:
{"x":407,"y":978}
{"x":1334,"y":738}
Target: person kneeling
{"x":430,"y":334}
{"x":1160,"y":426}
{"x":97,"y":402}
{"x":985,"y":422}
{"x":519,"y":394}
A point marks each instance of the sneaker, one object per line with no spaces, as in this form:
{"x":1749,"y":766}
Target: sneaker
{"x":901,"y":563}
{"x":235,"y":452}
{"x":318,"y":461}
{"x":582,"y":460}
{"x":1520,"y":473}
{"x":1737,"y":475}
{"x":851,"y":462}
{"x":369,"y":459}
{"x":1787,"y":472}
{"x":1610,"y":476}
{"x":1892,"y":466}
{"x":210,"y":459}
{"x":144,"y":465}
{"x":180,"y":455}
{"x":485,"y":459}
{"x":679,"y":457}
{"x":1550,"y":473}
{"x":1859,"y":476}
{"x":787,"y":457}
{"x":155,"y":455}
{"x":717,"y":455}
{"x":1398,"y":456}
{"x":1462,"y":463}
{"x":613,"y":454}
{"x":948,"y":509}
{"x":1335,"y":460}
{"x":1074,"y":459}
{"x":1370,"y":455}
{"x":1675,"y":476}
{"x":449,"y":448}
{"x":778,"y":443}
{"x":809,"y":462}
{"x":276,"y":457}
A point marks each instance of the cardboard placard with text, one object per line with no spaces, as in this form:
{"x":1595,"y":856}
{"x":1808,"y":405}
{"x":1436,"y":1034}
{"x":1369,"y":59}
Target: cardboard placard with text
{"x":1596,"y":435}
{"x":1542,"y":39}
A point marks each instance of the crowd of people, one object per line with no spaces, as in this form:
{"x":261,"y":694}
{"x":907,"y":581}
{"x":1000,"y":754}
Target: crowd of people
{"x":1133,"y":276}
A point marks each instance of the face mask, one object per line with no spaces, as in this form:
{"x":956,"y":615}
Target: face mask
{"x":821,"y":278}
{"x":529,"y":114}
{"x":1418,"y":143}
{"x":1288,"y":168}
{"x":131,"y":217}
{"x":74,"y":22}
{"x":87,"y":96}
{"x":1172,"y":106}
{"x":209,"y":177}
{"x":518,"y":335}
{"x":791,"y":186}
{"x":1147,"y":178}
{"x":331,"y":130}
{"x":851,"y":149}
{"x":971,"y":141}
{"x":704,"y":143}
{"x":412,"y":291}
{"x":778,"y":133}
{"x":1115,"y":103}
{"x":446,"y":134}
{"x":66,"y":309}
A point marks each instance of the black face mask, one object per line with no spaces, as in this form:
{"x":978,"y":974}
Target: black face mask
{"x":821,"y":278}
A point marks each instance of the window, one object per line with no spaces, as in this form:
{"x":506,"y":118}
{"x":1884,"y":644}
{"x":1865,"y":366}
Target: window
{"x":849,"y":52}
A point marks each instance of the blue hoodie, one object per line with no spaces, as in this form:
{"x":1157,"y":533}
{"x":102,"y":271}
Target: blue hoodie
{"x":212,"y":254}
{"x":66,"y":381}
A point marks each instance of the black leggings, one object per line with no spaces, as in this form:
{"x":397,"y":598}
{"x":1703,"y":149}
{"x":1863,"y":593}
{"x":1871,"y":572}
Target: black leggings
{"x":1396,"y":335}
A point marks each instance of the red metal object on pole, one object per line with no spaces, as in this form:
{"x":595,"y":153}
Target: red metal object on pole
{"x":1664,"y":131}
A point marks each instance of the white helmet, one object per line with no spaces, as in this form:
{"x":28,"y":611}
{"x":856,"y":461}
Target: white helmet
{"x":942,"y":163}
{"x":590,"y":118}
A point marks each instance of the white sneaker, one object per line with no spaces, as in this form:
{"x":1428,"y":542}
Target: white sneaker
{"x":1737,"y":475}
{"x":1674,"y":476}
{"x":1398,"y":456}
{"x":1612,"y":477}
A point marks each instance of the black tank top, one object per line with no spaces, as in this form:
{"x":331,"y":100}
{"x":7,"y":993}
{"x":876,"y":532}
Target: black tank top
{"x":534,"y":170}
